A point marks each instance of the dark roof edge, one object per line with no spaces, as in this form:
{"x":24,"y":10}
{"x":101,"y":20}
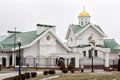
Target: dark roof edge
{"x":44,"y":25}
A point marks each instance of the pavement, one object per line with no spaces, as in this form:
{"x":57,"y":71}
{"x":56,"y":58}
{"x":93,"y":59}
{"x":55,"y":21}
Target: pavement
{"x":4,"y":74}
{"x":50,"y":77}
{"x":14,"y":73}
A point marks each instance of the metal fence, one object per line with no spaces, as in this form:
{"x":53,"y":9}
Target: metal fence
{"x":113,"y":63}
{"x":39,"y":61}
{"x":97,"y":62}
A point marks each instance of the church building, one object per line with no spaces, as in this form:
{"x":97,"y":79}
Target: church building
{"x":86,"y":44}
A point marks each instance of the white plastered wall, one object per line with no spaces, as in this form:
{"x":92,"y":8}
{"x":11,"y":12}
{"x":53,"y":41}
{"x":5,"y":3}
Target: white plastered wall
{"x":31,"y":51}
{"x":83,"y":37}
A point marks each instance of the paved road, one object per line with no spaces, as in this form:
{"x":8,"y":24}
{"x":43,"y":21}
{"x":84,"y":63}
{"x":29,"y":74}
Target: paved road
{"x":50,"y":77}
{"x":4,"y":75}
{"x":10,"y":74}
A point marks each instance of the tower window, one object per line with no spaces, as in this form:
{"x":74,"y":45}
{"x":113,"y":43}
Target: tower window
{"x":71,"y":40}
{"x":84,"y":53}
{"x":81,"y":23}
{"x":96,"y":53}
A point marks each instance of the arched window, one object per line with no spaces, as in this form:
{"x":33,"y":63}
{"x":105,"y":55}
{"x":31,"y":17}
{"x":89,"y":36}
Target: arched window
{"x":81,"y":23}
{"x":84,"y":53}
{"x":90,"y":54}
{"x":71,"y":39}
{"x":96,"y":53}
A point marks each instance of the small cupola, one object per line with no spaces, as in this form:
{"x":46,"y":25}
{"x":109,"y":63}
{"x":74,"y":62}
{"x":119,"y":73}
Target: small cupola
{"x":84,"y":18}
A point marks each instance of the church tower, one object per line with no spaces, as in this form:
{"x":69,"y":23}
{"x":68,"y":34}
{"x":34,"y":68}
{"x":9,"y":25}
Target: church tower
{"x":84,"y":18}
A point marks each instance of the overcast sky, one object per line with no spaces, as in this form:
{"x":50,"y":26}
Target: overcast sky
{"x":25,"y":14}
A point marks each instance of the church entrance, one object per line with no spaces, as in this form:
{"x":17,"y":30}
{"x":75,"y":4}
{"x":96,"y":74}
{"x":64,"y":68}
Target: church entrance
{"x":73,"y":61}
{"x":17,"y":60}
{"x":4,"y":62}
{"x":10,"y":60}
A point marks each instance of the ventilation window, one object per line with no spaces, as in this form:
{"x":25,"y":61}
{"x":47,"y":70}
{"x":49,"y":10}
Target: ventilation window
{"x":48,"y":37}
{"x":81,"y":23}
{"x":84,"y":53}
{"x":71,"y":40}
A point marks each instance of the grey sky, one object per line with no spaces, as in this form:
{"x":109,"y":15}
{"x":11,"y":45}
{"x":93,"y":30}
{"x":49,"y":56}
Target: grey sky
{"x":25,"y":14}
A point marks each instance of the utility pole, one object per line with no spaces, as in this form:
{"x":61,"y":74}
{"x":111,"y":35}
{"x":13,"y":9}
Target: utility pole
{"x":14,"y":34}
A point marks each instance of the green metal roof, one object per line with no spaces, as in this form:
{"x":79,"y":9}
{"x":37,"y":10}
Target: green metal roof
{"x":112,"y":44}
{"x":78,"y":28}
{"x":97,"y":26}
{"x":2,"y":38}
{"x":27,"y":38}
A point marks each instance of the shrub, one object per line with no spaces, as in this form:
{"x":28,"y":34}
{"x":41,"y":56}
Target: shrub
{"x":70,"y":66}
{"x":45,"y":72}
{"x":51,"y":71}
{"x":72,"y":70}
{"x":22,"y":77}
{"x":9,"y":78}
{"x":33,"y":74}
{"x":118,"y":67}
{"x":27,"y":75}
{"x":65,"y":70}
{"x":62,"y":65}
{"x":82,"y":70}
{"x":17,"y":78}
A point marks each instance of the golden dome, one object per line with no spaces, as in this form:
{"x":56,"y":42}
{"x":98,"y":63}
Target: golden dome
{"x":84,"y":13}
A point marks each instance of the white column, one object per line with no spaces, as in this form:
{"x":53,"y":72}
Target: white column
{"x":0,"y":60}
{"x":106,"y":59}
{"x":7,"y":61}
{"x":77,"y":61}
{"x":13,"y":60}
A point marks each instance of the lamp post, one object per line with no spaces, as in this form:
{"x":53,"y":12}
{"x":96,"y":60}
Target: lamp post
{"x":92,"y":44}
{"x":36,"y":64}
{"x":19,"y":42}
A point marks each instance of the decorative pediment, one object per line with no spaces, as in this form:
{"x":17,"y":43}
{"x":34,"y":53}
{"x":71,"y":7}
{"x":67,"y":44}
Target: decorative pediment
{"x":95,"y":27}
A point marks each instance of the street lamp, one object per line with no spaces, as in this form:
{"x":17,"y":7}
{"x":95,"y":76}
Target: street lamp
{"x":19,"y":42}
{"x":92,"y":44}
{"x":36,"y":64}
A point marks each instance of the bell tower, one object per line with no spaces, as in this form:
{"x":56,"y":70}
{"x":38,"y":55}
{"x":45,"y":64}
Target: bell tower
{"x":84,"y":18}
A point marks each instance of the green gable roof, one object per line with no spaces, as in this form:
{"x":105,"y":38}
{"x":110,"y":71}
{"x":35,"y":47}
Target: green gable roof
{"x":98,"y":27}
{"x":2,"y":38}
{"x":27,"y":38}
{"x":112,"y":44}
{"x":78,"y":28}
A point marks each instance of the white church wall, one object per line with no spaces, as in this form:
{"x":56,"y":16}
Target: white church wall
{"x":32,"y":50}
{"x":47,"y":50}
{"x":113,"y":56}
{"x":83,"y":37}
{"x":100,"y":51}
{"x":47,"y":46}
{"x":71,"y":40}
{"x":60,"y":49}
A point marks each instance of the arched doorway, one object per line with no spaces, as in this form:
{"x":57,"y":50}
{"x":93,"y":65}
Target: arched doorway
{"x":10,"y":60}
{"x":17,"y":60}
{"x":4,"y":62}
